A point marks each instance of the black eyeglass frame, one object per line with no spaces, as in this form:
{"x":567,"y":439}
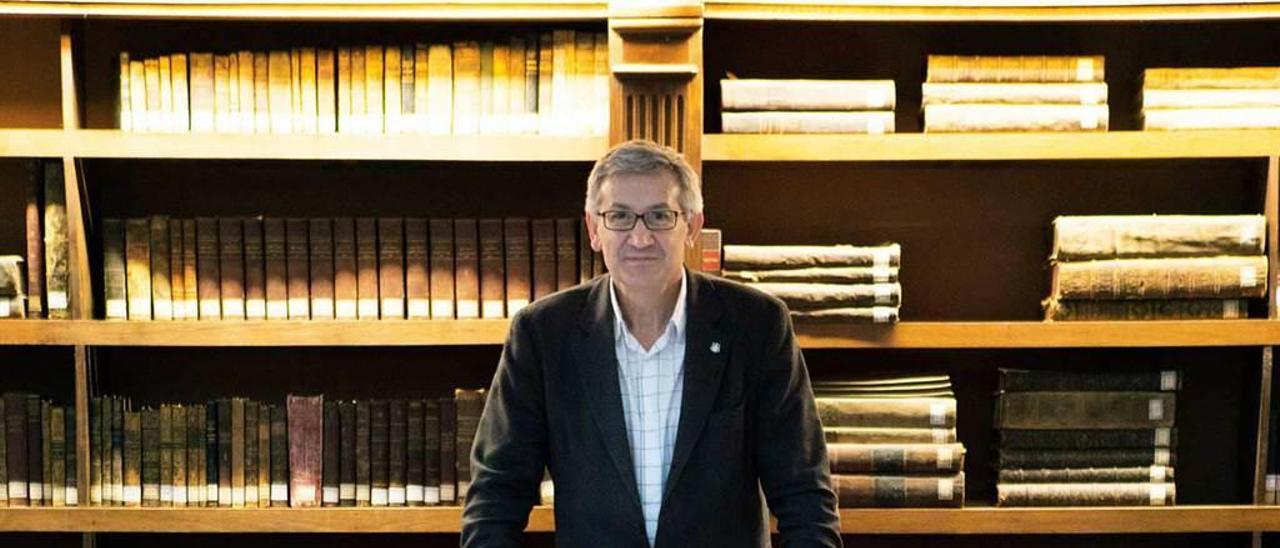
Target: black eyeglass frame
{"x":647,"y":217}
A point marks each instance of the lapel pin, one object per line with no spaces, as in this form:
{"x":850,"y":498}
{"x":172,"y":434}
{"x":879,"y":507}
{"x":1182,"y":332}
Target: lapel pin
{"x":715,"y":348}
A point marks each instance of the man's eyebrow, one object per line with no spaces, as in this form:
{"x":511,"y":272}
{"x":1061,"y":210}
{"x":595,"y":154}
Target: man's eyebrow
{"x":655,"y":205}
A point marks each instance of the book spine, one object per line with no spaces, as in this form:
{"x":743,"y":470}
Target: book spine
{"x":212,"y":455}
{"x":822,"y":274}
{"x":373,"y":89}
{"x":280,"y":470}
{"x":95,"y":451}
{"x":466,"y":268}
{"x":1146,"y":310}
{"x":1029,"y":68}
{"x":1082,"y":410}
{"x":197,"y":478}
{"x":306,"y":446}
{"x":35,"y":240}
{"x":329,"y":473}
{"x":1089,"y":439}
{"x":753,"y":257}
{"x":431,"y":452}
{"x":178,"y":453}
{"x":321,"y":262}
{"x":46,"y":453}
{"x":202,"y":93}
{"x":1085,"y":494}
{"x":870,"y":122}
{"x":326,"y":92}
{"x":250,"y":454}
{"x":190,"y":281}
{"x":177,"y":271}
{"x":566,"y":253}
{"x":231,"y":261}
{"x":367,"y":268}
{"x":113,"y":271}
{"x":72,"y":497}
{"x":1029,"y":93}
{"x":208,"y":270}
{"x":1079,"y":237}
{"x":363,"y":465}
{"x":261,"y":92}
{"x":416,"y":274}
{"x":255,"y":269}
{"x":1084,"y":458}
{"x":813,"y":295}
{"x":1194,"y":278}
{"x":1168,"y":119}
{"x":297,"y":254}
{"x":585,"y":253}
{"x":1022,"y":380}
{"x":836,"y":434}
{"x":517,"y":265}
{"x":132,"y":456}
{"x":347,"y":454}
{"x":137,"y":238}
{"x":940,"y":118}
{"x":397,"y":421}
{"x":469,"y":405}
{"x":415,"y":466}
{"x":379,"y":432}
{"x":888,"y":412}
{"x":1128,"y":474}
{"x":492,"y":269}
{"x":161,"y":289}
{"x":440,"y":90}
{"x":1212,"y":78}
{"x":264,"y":455}
{"x":442,"y":268}
{"x":837,"y":95}
{"x":226,"y":453}
{"x":391,"y":268}
{"x":117,"y":454}
{"x":345,"y":293}
{"x":448,"y":452}
{"x":277,"y":272}
{"x":279,"y":91}
{"x":35,"y":451}
{"x":543,"y":237}
{"x":164,"y":431}
{"x":850,"y":458}
{"x":899,"y":491}
{"x":57,"y":477}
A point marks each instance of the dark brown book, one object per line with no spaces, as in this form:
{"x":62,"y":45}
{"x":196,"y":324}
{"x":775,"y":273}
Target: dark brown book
{"x":1127,"y":474}
{"x":329,"y":471}
{"x":1085,"y":494}
{"x":46,"y":453}
{"x":279,"y":457}
{"x":363,"y":464}
{"x":150,"y":457}
{"x":469,"y":405}
{"x":72,"y":497}
{"x":466,"y":271}
{"x":519,"y":268}
{"x":345,"y":294}
{"x":918,"y":412}
{"x":442,"y":268}
{"x":431,"y":452}
{"x":35,"y":452}
{"x":56,"y":254}
{"x":1084,"y":458}
{"x":396,"y":452}
{"x":543,"y":239}
{"x":4,"y":457}
{"x":264,"y":455}
{"x":585,"y":254}
{"x":132,"y":459}
{"x":166,"y":455}
{"x":367,"y":268}
{"x":255,"y":269}
{"x":416,"y":279}
{"x":1023,"y":380}
{"x":448,"y":452}
{"x":414,"y":464}
{"x":855,"y":491}
{"x":208,"y":270}
{"x":1145,"y":310}
{"x":391,"y":268}
{"x":321,"y":238}
{"x":379,"y":461}
{"x":137,"y":253}
{"x":190,"y":280}
{"x":492,"y":269}
{"x":297,"y":261}
{"x":860,"y":458}
{"x":277,"y":270}
{"x":118,"y":407}
{"x":113,"y":271}
{"x":178,"y":448}
{"x":226,"y":498}
{"x":96,"y":446}
{"x":161,"y":289}
{"x":251,"y":454}
{"x":231,"y":260}
{"x":57,"y":477}
{"x":873,"y":434}
{"x":306,"y":448}
{"x":177,"y":277}
{"x":237,"y":452}
{"x":566,"y":253}
{"x":347,"y":453}
{"x":15,"y":432}
{"x":1084,"y":410}
{"x":35,"y":242}
{"x":197,"y":482}
{"x":213,"y":455}
{"x":1178,"y":278}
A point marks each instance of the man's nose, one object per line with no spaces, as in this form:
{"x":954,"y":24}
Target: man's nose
{"x":640,"y":235}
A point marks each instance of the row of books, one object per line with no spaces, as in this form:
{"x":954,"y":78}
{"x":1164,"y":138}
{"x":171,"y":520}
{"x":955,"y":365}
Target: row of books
{"x":835,"y":283}
{"x":236,"y":452}
{"x":36,"y":285}
{"x":892,"y":442}
{"x":553,"y":83}
{"x":1015,"y":93}
{"x":807,"y":106}
{"x":1156,"y":267}
{"x":37,"y":452}
{"x":1070,"y":438}
{"x":1211,"y":98}
{"x":162,"y":268}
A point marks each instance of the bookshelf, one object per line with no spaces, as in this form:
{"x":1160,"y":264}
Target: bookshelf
{"x":978,"y":201}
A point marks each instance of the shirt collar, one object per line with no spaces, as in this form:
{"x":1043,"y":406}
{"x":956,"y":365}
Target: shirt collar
{"x":677,"y":320}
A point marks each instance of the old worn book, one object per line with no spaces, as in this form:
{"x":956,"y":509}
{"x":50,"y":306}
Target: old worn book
{"x":1085,"y":494}
{"x":131,"y":493}
{"x":374,"y":78}
{"x":326,"y":115}
{"x":518,"y":86}
{"x":96,"y":446}
{"x":469,"y":405}
{"x":759,"y":257}
{"x":223,"y":431}
{"x":264,"y":455}
{"x":244,"y":63}
{"x":212,"y":454}
{"x":305,"y":120}
{"x":190,"y":282}
{"x":492,"y":269}
{"x":158,"y":117}
{"x":38,"y":426}
{"x":1198,"y":277}
{"x":518,"y":266}
{"x":379,"y":460}
{"x":1084,"y":458}
{"x":34,"y":231}
{"x":276,"y":268}
{"x":494,"y":74}
{"x":280,"y":91}
{"x":343,"y":94}
{"x":466,"y":246}
{"x":391,"y":89}
{"x":1081,"y":410}
{"x":250,"y":454}
{"x":231,"y":263}
{"x":874,"y":434}
{"x":367,"y":268}
{"x":226,"y":95}
{"x":306,"y":446}
{"x":448,"y":451}
{"x":11,"y":293}
{"x":166,"y":455}
{"x":1024,"y":380}
{"x":825,"y":295}
{"x":546,"y":77}
{"x":415,"y":465}
{"x":888,"y":412}
{"x":137,"y":241}
{"x":543,"y":271}
{"x":202,"y":93}
{"x":1210,"y":98}
{"x":872,"y":122}
{"x":178,"y":454}
{"x":431,"y":452}
{"x":72,"y":497}
{"x":1024,"y":93}
{"x":819,"y":274}
{"x":364,"y":424}
{"x":151,"y":457}
{"x":413,"y":82}
{"x":15,"y":431}
{"x":1212,"y":78}
{"x":177,"y":279}
{"x":441,"y":268}
{"x":320,"y":236}
{"x":161,"y":290}
{"x":138,"y":95}
{"x":945,"y":118}
{"x":466,"y":88}
{"x":416,"y":269}
{"x":855,"y":315}
{"x":330,"y":457}
{"x":358,"y":119}
{"x":1133,"y":438}
{"x":113,"y":270}
{"x":895,"y":458}
{"x":856,"y":490}
{"x":896,"y":386}
{"x":806,"y":94}
{"x":391,"y":268}
{"x":440,"y":89}
{"x":586,"y":254}
{"x":197,"y":477}
{"x":1145,"y":310}
{"x":1126,"y":474}
{"x":118,"y":407}
{"x":396,"y":452}
{"x":1015,"y":68}
{"x":1080,"y":237}
{"x":297,"y":263}
{"x":347,"y":453}
{"x":57,"y":477}
{"x":279,"y":457}
{"x":345,"y":294}
{"x":261,"y":92}
{"x":1210,"y":118}
{"x":255,"y":269}
{"x":566,"y":253}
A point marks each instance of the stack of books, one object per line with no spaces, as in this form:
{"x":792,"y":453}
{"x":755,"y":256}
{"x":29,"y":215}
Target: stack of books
{"x":235,"y":268}
{"x":1211,"y":98}
{"x":235,"y":452}
{"x":555,"y":83}
{"x":37,"y":452}
{"x":1156,"y":267}
{"x":835,"y":283}
{"x":892,"y":442}
{"x":1086,"y":438}
{"x":807,"y":106}
{"x":1015,"y":93}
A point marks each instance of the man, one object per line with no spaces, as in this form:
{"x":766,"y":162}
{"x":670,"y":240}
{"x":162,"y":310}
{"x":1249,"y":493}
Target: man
{"x":661,"y":400}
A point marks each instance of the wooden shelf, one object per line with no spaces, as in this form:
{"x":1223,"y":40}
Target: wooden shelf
{"x":346,"y":10}
{"x":494,"y":332}
{"x":1020,"y":11}
{"x":979,"y":520}
{"x":119,"y":144}
{"x":990,"y":146}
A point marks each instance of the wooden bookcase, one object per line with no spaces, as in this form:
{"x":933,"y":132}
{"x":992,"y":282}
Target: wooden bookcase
{"x":972,"y":213}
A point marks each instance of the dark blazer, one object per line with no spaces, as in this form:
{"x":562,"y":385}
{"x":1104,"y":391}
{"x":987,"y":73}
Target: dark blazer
{"x":748,"y":421}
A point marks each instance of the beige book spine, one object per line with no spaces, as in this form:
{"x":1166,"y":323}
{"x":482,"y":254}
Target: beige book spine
{"x":308,"y":85}
{"x":326,"y":90}
{"x":1145,"y":310}
{"x":828,"y":274}
{"x":912,"y":458}
{"x":518,"y":121}
{"x":830,"y":295}
{"x":1078,"y":93}
{"x":280,"y":73}
{"x":564,"y":65}
{"x":222,"y":94}
{"x":295,"y":91}
{"x":261,"y":92}
{"x":375,"y":118}
{"x":500,"y":115}
{"x":919,"y":412}
{"x":546,"y":80}
{"x":466,"y":88}
{"x":1211,"y":118}
{"x":421,"y":83}
{"x":156,"y":116}
{"x":202,"y":93}
{"x":854,"y":314}
{"x":181,"y":121}
{"x":248,"y":103}
{"x":343,"y":82}
{"x":1029,"y":68}
{"x":746,"y":257}
{"x":1085,"y":494}
{"x":137,"y":244}
{"x":1190,"y":278}
{"x":1210,"y":98}
{"x":1211,"y":78}
{"x":165,"y":115}
{"x":600,"y":95}
{"x":1015,"y":118}
{"x":125,"y":114}
{"x":1077,"y":237}
{"x":859,"y":490}
{"x":393,"y":121}
{"x":234,"y":92}
{"x":585,"y":82}
{"x":358,"y":103}
{"x":138,"y":96}
{"x":867,"y":122}
{"x":440,"y":89}
{"x":803,"y":94}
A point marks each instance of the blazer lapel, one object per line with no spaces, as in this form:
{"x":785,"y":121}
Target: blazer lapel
{"x":597,"y":365}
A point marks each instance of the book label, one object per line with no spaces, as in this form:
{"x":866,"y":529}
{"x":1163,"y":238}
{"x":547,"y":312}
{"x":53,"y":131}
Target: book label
{"x":116,"y":308}
{"x":346,"y":309}
{"x":884,"y":294}
{"x":938,"y":414}
{"x":1247,"y":276}
{"x":414,"y":493}
{"x":255,"y":308}
{"x":73,"y":496}
{"x":944,"y":457}
{"x":1168,"y":381}
{"x":17,"y":489}
{"x":4,"y":308}
{"x":1163,"y":437}
{"x":1158,"y":474}
{"x":1161,"y":457}
{"x":347,"y":491}
{"x":279,"y":492}
{"x":395,"y":495}
{"x":331,"y":495}
{"x":1231,"y":309}
{"x":1084,"y":69}
{"x":946,"y":489}
{"x":940,"y":435}
{"x":431,"y":495}
{"x":57,"y":300}
{"x":132,"y":494}
{"x":881,"y":258}
{"x":1155,"y":409}
{"x":1157,"y":494}
{"x":446,"y":492}
{"x":379,"y":497}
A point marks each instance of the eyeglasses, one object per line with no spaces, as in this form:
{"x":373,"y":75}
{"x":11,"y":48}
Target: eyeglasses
{"x":658,"y":219}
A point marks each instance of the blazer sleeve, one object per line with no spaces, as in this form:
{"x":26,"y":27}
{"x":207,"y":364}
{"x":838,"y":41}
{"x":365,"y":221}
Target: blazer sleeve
{"x":791,"y":451}
{"x":510,"y":448}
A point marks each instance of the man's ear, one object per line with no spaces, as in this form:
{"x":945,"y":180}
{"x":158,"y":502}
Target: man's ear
{"x":695,"y":228}
{"x":593,"y":230}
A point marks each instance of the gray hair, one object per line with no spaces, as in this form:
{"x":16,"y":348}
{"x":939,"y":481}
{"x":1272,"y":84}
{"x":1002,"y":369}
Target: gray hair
{"x":641,"y":156}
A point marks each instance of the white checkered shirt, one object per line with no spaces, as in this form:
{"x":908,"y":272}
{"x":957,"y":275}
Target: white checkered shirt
{"x":652,"y":382}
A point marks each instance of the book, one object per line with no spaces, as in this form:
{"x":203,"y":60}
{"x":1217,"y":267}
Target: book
{"x":1015,"y":68}
{"x":158,"y":118}
{"x":137,"y":237}
{"x":320,"y":236}
{"x":856,"y":490}
{"x":246,"y":114}
{"x":1085,"y":494}
{"x":178,"y":455}
{"x":887,"y":435}
{"x":887,"y":412}
{"x":415,"y":456}
{"x":391,"y":88}
{"x":1211,"y":78}
{"x":374,"y":82}
{"x":1061,"y":410}
{"x":359,"y":104}
{"x":347,"y":453}
{"x":945,"y":118}
{"x":1127,"y":474}
{"x":113,"y":270}
{"x":364,"y":469}
{"x":131,"y":480}
{"x":343,"y":115}
{"x":280,"y":91}
{"x":517,"y":85}
{"x":264,"y":455}
{"x":493,"y":275}
{"x":1145,"y":310}
{"x":231,"y":265}
{"x":72,"y":497}
{"x":275,"y":257}
{"x":894,"y":458}
{"x":250,"y":462}
{"x":1023,"y":380}
{"x":517,"y":263}
{"x":96,"y":445}
{"x":1195,"y":277}
{"x":1084,"y":458}
{"x":255,"y":281}
{"x":151,"y":457}
{"x":441,"y":268}
{"x":1137,"y":438}
{"x":566,"y":253}
{"x":280,"y":457}
{"x":34,"y":231}
{"x":1024,"y":93}
{"x":431,"y":451}
{"x":57,"y":478}
{"x":138,"y":96}
{"x":391,"y":288}
{"x":345,"y":284}
{"x":15,"y":431}
{"x":586,"y":254}
{"x":367,"y":268}
{"x":297,"y":264}
{"x":190,"y":282}
{"x":1081,"y":237}
{"x":823,"y":274}
{"x":379,"y":458}
{"x":118,"y":407}
{"x":855,"y":315}
{"x":546,"y":80}
{"x":486,"y":87}
{"x":749,"y":257}
{"x":466,"y":270}
{"x":326,"y":92}
{"x":1210,"y":118}
{"x":469,"y":405}
{"x":822,"y":295}
{"x":202,"y":94}
{"x":1210,"y":98}
{"x":226,"y":95}
{"x":180,"y":116}
{"x":195,"y":446}
{"x":448,"y":451}
{"x":416,"y":269}
{"x":397,"y":422}
{"x":330,"y":457}
{"x":806,"y":94}
{"x":56,"y":251}
{"x":261,"y":92}
{"x":440,"y":89}
{"x":419,"y":99}
{"x":43,"y":424}
{"x":208,"y":269}
{"x":543,"y":272}
{"x":225,"y":430}
{"x":165,"y":474}
{"x":306,"y":446}
{"x":872,"y":122}
{"x":466,"y":88}
{"x":177,"y":275}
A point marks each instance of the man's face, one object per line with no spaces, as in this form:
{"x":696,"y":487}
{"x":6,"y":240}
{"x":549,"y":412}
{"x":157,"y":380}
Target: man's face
{"x":640,"y":257}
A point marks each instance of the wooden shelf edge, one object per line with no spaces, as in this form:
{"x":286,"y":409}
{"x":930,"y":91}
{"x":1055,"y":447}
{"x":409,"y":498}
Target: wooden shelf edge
{"x":953,"y":335}
{"x":1118,"y":145}
{"x":476,"y":10}
{"x":98,"y":143}
{"x":1175,"y":519}
{"x":965,"y":11}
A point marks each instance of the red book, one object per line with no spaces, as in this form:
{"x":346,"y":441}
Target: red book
{"x":306,"y":448}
